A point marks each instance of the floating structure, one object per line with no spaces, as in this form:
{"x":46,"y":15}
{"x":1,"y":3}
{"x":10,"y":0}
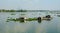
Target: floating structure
{"x":22,"y":19}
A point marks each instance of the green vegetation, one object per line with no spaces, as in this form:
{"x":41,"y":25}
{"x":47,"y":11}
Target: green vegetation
{"x":17,"y":19}
{"x":3,"y":10}
{"x":12,"y":14}
{"x":21,"y":10}
{"x":30,"y":19}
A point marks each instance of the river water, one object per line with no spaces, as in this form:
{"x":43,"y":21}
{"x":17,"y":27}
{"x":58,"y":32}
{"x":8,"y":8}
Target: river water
{"x":52,"y":26}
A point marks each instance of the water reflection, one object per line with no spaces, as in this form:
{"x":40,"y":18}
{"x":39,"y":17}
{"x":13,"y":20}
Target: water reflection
{"x":50,"y":26}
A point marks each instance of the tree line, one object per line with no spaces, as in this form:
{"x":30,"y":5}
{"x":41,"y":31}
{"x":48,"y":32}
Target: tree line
{"x":3,"y":10}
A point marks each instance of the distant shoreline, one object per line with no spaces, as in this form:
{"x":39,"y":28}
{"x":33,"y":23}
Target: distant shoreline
{"x":3,"y":10}
{"x":13,"y":10}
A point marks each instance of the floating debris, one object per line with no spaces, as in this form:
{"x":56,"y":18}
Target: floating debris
{"x":22,"y":14}
{"x":58,"y":15}
{"x":7,"y":21}
{"x":12,"y":14}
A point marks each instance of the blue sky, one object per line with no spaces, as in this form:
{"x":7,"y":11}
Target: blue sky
{"x":30,"y":4}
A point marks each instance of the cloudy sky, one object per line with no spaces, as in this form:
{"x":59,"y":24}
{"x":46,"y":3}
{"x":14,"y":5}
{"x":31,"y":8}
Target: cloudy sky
{"x":30,"y":4}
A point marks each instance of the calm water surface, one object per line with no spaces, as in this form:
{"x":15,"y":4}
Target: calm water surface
{"x":52,"y":26}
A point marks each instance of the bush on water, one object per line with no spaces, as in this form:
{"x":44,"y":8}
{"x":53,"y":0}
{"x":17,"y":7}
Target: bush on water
{"x":21,"y":19}
{"x":39,"y":19}
{"x":48,"y":16}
